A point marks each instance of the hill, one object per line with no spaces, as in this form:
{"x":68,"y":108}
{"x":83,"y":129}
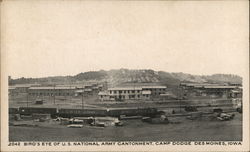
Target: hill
{"x":127,"y":76}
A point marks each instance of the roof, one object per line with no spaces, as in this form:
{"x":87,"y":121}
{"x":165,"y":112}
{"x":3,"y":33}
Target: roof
{"x":126,"y":88}
{"x":103,"y":93}
{"x":138,"y":88}
{"x":219,"y":87}
{"x":236,"y":91}
{"x":79,"y":91}
{"x":88,"y":90}
{"x":51,"y":88}
{"x":167,"y":94}
{"x":154,"y":87}
{"x":25,"y":85}
{"x":12,"y":87}
{"x":198,"y":84}
{"x":208,"y":86}
{"x":106,"y":119}
{"x":146,"y":92}
{"x":83,"y":90}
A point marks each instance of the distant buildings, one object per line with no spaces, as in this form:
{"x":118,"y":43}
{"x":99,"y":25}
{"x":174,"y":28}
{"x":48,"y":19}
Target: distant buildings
{"x":192,"y":90}
{"x":138,"y":92}
{"x":19,"y":89}
{"x":132,"y":93}
{"x":56,"y":90}
{"x":51,"y":91}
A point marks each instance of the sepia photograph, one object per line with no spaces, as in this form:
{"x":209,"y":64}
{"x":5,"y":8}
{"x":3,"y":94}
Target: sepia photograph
{"x":124,"y":74}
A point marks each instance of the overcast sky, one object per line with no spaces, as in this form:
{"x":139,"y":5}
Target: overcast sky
{"x":48,"y":38}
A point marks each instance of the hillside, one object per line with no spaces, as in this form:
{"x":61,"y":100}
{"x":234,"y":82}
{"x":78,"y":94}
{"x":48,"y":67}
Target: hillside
{"x":121,"y":76}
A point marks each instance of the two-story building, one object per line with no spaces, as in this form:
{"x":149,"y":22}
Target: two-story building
{"x":132,"y":93}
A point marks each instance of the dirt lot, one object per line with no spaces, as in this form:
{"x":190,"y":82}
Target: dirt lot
{"x":132,"y":129}
{"x":135,"y":130}
{"x":59,"y":102}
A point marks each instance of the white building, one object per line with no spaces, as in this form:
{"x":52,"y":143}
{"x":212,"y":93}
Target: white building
{"x":132,"y":93}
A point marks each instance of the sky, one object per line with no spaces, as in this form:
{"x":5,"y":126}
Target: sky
{"x":52,"y":38}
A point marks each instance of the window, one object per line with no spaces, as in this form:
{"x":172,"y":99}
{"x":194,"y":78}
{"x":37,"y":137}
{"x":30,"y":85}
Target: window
{"x":133,"y":91}
{"x":120,"y":91}
{"x":114,"y":91}
{"x":138,"y":91}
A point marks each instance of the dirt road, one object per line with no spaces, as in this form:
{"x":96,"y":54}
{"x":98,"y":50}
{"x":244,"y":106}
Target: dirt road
{"x":135,"y":130}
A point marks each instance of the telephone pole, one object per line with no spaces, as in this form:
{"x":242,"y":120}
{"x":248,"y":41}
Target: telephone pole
{"x":70,"y":93}
{"x":27,"y":98}
{"x":82,"y":97}
{"x":180,"y":96}
{"x":54,"y":94}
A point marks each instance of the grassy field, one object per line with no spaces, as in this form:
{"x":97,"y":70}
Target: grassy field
{"x":135,"y":130}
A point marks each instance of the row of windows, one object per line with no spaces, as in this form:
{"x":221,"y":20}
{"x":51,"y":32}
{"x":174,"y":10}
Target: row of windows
{"x":138,"y":91}
{"x":155,"y":89}
{"x":157,"y":93}
{"x":125,"y":91}
{"x":130,"y":96}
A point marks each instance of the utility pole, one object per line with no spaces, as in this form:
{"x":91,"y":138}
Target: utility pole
{"x":82,"y":97}
{"x":27,"y":98}
{"x":54,"y":94}
{"x":70,"y":93}
{"x":180,"y":97}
